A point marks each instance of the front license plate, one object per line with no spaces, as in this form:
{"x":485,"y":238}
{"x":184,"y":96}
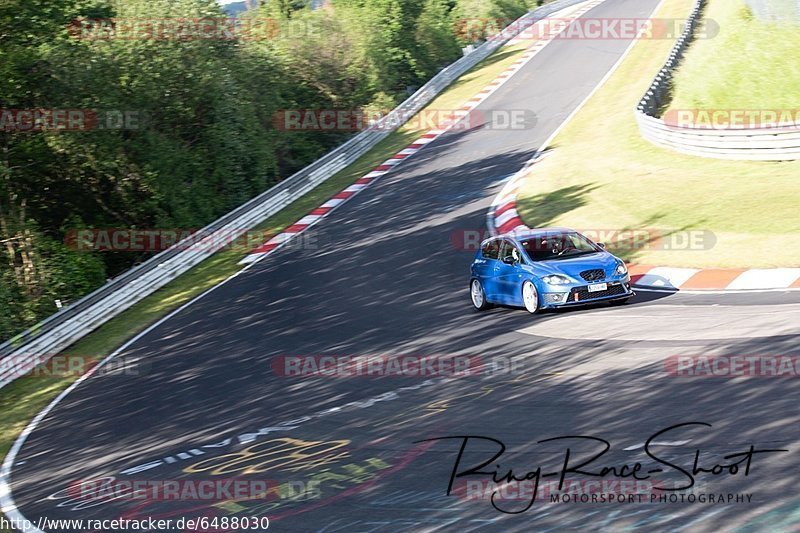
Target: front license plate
{"x":597,"y":287}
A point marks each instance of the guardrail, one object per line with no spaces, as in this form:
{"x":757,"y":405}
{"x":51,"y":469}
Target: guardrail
{"x":73,"y":322}
{"x":766,"y":144}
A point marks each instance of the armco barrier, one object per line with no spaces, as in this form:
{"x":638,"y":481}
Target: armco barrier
{"x":65,"y":327}
{"x":767,"y":144}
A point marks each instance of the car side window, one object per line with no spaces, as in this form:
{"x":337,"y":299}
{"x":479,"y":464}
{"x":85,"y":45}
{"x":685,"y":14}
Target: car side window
{"x":509,"y":250}
{"x":491,"y":250}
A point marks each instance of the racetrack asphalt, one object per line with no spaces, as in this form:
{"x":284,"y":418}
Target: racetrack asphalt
{"x":383,"y":277}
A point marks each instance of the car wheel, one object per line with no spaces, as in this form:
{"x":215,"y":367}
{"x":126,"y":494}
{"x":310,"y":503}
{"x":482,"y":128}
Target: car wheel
{"x":477,"y":295}
{"x":530,"y":297}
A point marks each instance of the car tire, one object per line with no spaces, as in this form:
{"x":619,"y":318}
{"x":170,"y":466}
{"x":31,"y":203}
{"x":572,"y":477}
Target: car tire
{"x":530,"y":297}
{"x":477,"y":295}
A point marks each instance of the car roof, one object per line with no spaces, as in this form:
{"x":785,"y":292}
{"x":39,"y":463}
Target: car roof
{"x":530,"y":233}
{"x":538,"y":232}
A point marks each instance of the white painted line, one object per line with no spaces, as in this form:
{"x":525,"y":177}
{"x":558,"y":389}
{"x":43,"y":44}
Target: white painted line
{"x":506,"y":216}
{"x":656,"y":322}
{"x":713,"y":291}
{"x":251,"y":258}
{"x":667,"y":277}
{"x":508,"y":194}
{"x":333,"y":202}
{"x":309,"y":219}
{"x":280,"y":238}
{"x":510,"y":197}
{"x":766,"y":278}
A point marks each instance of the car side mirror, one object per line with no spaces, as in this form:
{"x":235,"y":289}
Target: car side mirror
{"x":602,"y":245}
{"x":509,"y":260}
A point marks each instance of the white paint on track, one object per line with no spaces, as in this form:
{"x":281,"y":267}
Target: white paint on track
{"x":686,"y":323}
{"x":767,"y":278}
{"x":667,"y":277}
{"x":714,"y":291}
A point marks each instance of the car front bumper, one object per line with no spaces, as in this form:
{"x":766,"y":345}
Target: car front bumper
{"x":574,"y":295}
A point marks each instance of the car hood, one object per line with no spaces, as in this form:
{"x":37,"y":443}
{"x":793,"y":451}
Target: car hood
{"x":573,"y":267}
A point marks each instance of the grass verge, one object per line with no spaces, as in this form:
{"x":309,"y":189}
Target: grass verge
{"x":602,"y":175}
{"x":750,"y":64}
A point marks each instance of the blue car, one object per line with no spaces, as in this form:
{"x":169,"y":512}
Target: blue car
{"x":546,"y":268}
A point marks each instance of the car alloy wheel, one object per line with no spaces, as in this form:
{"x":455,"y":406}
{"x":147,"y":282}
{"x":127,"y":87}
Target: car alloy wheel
{"x":477,"y":295}
{"x":530,"y":297}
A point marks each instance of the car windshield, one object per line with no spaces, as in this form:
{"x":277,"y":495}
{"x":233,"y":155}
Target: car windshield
{"x":554,"y":246}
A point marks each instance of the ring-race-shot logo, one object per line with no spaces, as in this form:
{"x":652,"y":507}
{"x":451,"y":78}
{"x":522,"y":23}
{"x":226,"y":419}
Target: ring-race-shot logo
{"x":485,"y":461}
{"x":351,"y":120}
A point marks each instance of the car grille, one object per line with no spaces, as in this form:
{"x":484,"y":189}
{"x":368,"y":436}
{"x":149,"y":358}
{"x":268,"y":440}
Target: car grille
{"x":584,"y":294}
{"x":596,"y":274}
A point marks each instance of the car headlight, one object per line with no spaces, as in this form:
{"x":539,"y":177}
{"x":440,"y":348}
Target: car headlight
{"x":555,"y":279}
{"x":621,"y":269}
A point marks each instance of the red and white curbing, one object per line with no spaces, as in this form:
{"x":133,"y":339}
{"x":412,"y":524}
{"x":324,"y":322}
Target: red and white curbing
{"x":504,"y":218}
{"x":365,"y":181}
